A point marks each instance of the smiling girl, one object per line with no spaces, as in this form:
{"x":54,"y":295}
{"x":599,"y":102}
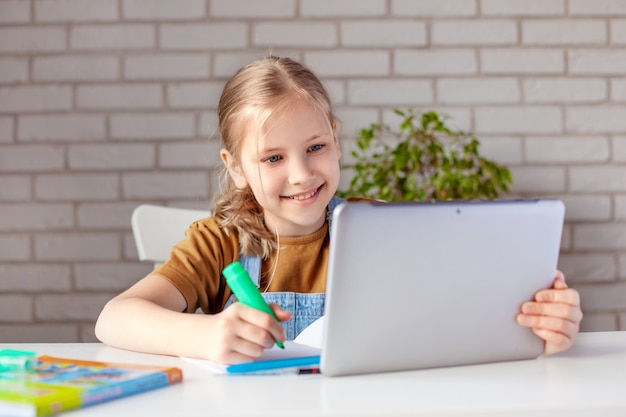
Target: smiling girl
{"x":282,"y":164}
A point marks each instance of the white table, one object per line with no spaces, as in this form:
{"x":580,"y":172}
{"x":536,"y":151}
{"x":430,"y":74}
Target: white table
{"x":587,"y":380}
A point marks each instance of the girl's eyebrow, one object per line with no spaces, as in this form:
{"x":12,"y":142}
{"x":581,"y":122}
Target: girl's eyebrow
{"x":269,"y":150}
{"x":316,"y":136}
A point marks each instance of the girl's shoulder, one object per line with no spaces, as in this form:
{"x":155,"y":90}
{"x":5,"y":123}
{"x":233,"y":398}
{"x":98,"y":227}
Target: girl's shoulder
{"x":205,"y":236}
{"x":208,"y":226}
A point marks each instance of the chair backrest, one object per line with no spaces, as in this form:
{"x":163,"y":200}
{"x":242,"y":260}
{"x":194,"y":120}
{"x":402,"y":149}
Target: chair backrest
{"x":157,"y":228}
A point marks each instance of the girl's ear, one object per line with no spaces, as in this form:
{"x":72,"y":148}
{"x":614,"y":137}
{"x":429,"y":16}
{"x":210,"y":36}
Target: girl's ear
{"x":234,"y":169}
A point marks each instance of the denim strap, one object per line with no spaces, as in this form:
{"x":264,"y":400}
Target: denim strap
{"x":252,"y":263}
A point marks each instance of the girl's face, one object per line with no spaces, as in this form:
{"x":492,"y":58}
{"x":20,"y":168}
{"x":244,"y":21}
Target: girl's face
{"x":293,"y":170}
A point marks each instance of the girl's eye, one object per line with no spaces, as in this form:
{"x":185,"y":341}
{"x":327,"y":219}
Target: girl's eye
{"x":316,"y":148}
{"x":273,"y":159}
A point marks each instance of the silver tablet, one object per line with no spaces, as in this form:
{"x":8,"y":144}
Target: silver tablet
{"x":421,"y":285}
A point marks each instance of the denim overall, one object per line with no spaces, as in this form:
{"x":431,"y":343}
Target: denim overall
{"x":304,"y":308}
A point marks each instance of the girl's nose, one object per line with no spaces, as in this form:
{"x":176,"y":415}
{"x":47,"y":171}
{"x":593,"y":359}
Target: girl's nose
{"x":299,"y":171}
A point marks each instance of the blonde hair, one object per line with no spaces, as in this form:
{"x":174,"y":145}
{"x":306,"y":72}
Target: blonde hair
{"x":263,"y":88}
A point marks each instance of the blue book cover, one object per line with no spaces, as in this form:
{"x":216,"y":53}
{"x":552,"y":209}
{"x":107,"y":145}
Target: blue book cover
{"x":294,"y":358}
{"x":58,"y":384}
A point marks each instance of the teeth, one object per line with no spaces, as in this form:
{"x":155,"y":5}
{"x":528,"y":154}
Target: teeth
{"x":303,"y":197}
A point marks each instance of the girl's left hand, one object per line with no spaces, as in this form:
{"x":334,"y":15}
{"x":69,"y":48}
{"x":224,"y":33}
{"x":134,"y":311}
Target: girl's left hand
{"x":554,"y":315}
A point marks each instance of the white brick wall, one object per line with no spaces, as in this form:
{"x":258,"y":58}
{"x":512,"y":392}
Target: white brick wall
{"x":435,"y":62}
{"x":203,"y":37}
{"x":76,"y":68}
{"x":14,"y":248}
{"x":605,"y":61}
{"x":35,"y":98}
{"x":31,"y":158}
{"x":397,"y":93}
{"x":251,"y":8}
{"x":93,"y":37}
{"x":107,"y":104}
{"x":474,"y":32}
{"x":37,"y":217}
{"x":566,"y":90}
{"x":523,"y":8}
{"x":119,"y":96}
{"x":566,"y":149}
{"x":443,"y":8}
{"x":156,"y":10}
{"x":597,"y":8}
{"x":338,"y":8}
{"x":35,"y":278}
{"x":62,"y":127}
{"x":152,"y":126}
{"x":14,"y":11}
{"x":13,"y":70}
{"x":522,"y":61}
{"x":471,"y":91}
{"x":564,"y":32}
{"x":111,"y":157}
{"x":75,"y":10}
{"x":518,"y":119}
{"x":32,"y":40}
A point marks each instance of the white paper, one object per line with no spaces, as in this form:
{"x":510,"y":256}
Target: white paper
{"x":312,"y":335}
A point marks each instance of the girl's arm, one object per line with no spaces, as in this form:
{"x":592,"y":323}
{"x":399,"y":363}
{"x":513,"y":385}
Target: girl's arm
{"x":148,"y":318}
{"x":554,"y":315}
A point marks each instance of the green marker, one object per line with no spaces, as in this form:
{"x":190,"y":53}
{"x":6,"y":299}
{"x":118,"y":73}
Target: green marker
{"x":244,"y":289}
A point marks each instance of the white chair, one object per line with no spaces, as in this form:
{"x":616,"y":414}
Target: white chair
{"x":157,"y":228}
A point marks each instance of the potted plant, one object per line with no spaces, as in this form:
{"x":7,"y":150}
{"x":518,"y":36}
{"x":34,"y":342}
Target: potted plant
{"x":424,"y":160}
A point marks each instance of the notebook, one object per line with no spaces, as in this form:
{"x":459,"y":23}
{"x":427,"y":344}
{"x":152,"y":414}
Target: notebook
{"x":422,"y":285}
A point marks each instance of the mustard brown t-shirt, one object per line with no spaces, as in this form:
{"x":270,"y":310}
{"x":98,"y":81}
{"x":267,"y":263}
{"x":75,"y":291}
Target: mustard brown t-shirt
{"x":195,"y":264}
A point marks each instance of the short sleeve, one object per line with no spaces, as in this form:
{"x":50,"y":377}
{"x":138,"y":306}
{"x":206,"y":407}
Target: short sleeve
{"x":195,"y":264}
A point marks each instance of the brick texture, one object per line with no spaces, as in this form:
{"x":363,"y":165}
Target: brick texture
{"x":155,"y":10}
{"x":14,"y":11}
{"x":75,"y":10}
{"x":108,"y":104}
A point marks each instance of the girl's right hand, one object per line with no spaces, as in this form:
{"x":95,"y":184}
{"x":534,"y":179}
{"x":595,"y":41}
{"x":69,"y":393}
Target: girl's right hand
{"x":241,"y":333}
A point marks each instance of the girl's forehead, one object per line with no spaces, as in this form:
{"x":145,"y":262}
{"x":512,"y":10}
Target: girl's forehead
{"x":290,"y":120}
{"x":284,"y":117}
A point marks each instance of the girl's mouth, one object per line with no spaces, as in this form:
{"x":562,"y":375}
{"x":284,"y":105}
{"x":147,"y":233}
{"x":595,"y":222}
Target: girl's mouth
{"x":306,"y":196}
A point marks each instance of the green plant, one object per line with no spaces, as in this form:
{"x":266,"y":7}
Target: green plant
{"x":425,"y":160}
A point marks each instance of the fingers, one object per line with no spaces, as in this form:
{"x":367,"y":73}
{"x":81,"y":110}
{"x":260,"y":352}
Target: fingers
{"x":557,"y":332}
{"x":243,"y":333}
{"x":554,"y":315}
{"x":260,"y":327}
{"x":559,"y":281}
{"x":556,"y":310}
{"x":561,"y":319}
{"x":568,"y":296}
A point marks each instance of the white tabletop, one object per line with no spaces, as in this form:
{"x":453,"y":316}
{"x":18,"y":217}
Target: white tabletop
{"x":587,"y":380}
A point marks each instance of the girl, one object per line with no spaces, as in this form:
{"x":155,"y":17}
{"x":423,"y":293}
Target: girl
{"x":282,"y":162}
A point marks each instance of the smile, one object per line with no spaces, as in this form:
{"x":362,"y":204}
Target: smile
{"x":305,"y":196}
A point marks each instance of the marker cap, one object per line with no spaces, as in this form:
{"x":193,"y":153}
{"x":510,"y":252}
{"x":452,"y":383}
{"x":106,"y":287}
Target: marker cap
{"x":246,"y":292}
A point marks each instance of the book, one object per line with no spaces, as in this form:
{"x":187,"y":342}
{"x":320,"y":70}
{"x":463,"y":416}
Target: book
{"x":59,"y":384}
{"x":294,"y":358}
